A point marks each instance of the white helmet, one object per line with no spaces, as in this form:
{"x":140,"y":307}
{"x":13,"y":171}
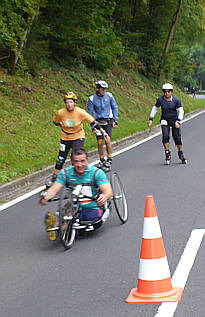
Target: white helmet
{"x":101,"y":84}
{"x":167,"y":86}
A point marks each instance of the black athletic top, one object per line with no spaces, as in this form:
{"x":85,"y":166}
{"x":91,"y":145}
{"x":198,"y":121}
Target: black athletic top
{"x":169,"y":108}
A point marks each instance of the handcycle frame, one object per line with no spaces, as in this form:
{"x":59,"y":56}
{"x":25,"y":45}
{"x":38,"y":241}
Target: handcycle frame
{"x":67,"y":230}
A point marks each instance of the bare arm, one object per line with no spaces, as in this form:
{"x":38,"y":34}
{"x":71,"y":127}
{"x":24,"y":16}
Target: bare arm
{"x":50,"y":193}
{"x":106,"y":194}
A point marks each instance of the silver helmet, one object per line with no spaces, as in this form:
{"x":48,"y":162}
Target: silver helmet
{"x":101,"y":84}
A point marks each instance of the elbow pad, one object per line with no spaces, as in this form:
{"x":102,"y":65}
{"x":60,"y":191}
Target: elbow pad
{"x":153,"y":112}
{"x":180,"y":113}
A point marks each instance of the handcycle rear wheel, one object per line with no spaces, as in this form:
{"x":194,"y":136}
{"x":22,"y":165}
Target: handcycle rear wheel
{"x":67,"y":233}
{"x":119,"y":197}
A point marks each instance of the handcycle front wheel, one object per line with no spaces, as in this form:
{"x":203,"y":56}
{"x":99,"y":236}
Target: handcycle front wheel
{"x":67,"y":232}
{"x":119,"y":197}
{"x":67,"y":235}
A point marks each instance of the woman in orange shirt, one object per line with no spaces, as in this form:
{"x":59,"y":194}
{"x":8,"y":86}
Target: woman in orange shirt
{"x":70,"y":120}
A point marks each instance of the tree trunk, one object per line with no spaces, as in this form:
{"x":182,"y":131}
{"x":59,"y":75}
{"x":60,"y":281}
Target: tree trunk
{"x":22,"y":43}
{"x":134,"y":11}
{"x":200,"y":85}
{"x":170,"y":37}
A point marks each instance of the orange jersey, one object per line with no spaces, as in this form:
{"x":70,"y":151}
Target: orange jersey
{"x":71,"y":122}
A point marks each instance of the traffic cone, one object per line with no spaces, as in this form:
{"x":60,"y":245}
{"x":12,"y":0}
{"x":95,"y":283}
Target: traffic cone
{"x":154,"y":281}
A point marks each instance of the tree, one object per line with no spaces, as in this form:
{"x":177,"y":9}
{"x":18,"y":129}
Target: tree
{"x":16,"y":18}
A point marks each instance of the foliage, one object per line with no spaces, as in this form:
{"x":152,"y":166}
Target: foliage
{"x":16,"y":17}
{"x":81,"y":31}
{"x":101,"y":33}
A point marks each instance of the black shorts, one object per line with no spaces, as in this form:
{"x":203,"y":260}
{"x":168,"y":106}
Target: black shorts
{"x":107,"y":125}
{"x":166,"y":125}
{"x":65,"y":147}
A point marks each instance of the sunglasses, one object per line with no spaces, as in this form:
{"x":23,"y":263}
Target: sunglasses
{"x":164,"y":91}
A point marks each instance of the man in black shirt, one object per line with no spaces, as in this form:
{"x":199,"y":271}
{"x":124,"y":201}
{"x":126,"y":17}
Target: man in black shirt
{"x":171,"y":117}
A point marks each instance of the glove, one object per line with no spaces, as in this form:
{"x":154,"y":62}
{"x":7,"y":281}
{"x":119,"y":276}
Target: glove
{"x":149,"y":122}
{"x":95,"y":125}
{"x":42,"y":197}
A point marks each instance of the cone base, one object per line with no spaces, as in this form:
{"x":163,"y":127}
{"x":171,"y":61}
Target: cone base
{"x":171,"y":296}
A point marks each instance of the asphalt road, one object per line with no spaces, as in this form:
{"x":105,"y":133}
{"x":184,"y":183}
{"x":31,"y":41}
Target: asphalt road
{"x":94,"y":278}
{"x":198,"y":96}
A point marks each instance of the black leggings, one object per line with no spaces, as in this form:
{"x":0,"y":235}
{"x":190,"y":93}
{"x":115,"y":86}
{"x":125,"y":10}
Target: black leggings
{"x":65,"y":147}
{"x":176,"y":132}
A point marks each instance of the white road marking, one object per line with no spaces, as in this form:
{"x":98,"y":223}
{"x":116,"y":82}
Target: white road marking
{"x":37,"y":190}
{"x":182,"y":271}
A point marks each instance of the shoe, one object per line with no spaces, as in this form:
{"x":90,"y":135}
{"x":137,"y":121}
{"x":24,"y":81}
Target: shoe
{"x":181,"y":157}
{"x":101,"y":163}
{"x":77,"y":225}
{"x":67,"y":218}
{"x":51,"y":228}
{"x":106,"y":215}
{"x":167,"y":156}
{"x":108,"y":164}
{"x":89,"y":228}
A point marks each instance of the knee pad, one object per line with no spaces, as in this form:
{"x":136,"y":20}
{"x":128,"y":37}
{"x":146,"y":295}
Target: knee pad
{"x":59,"y":162}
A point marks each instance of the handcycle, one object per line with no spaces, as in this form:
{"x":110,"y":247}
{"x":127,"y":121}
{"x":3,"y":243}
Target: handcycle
{"x":70,"y":226}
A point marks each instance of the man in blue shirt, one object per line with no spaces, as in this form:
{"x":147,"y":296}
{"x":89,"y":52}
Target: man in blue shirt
{"x":171,"y":117}
{"x":103,"y":107}
{"x":81,"y":173}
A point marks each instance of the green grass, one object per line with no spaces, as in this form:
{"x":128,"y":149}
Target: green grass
{"x":30,"y":141}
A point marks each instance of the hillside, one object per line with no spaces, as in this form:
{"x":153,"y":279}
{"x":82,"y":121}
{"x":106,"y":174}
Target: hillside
{"x":30,"y":141}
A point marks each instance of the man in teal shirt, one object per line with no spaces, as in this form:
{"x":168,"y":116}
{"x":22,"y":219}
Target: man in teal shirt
{"x":82,"y":173}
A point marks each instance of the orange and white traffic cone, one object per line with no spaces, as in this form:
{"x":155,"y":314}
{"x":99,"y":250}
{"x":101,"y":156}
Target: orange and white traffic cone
{"x":154,"y":281}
